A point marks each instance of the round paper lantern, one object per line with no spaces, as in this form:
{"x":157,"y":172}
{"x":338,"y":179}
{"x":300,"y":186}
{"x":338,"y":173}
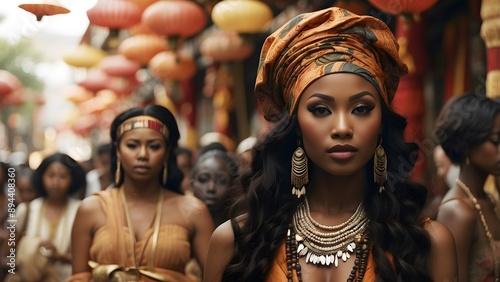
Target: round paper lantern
{"x":44,"y":8}
{"x":84,"y":56}
{"x":8,"y":83}
{"x":225,"y":46}
{"x":397,"y":7}
{"x":168,"y":65}
{"x":118,"y":65}
{"x":96,"y":80}
{"x":242,"y":16}
{"x":115,"y":14}
{"x":142,"y":48}
{"x":174,"y":18}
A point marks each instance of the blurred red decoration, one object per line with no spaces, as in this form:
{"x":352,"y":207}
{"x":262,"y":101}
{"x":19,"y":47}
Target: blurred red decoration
{"x":118,"y":65}
{"x":402,"y":7}
{"x":140,"y":28}
{"x":175,"y":19}
{"x":44,"y":8}
{"x":115,"y":14}
{"x":358,"y":7}
{"x":96,"y":80}
{"x":226,"y":46}
{"x":142,"y":48}
{"x":15,"y":98}
{"x":8,"y":83}
{"x":168,"y":65}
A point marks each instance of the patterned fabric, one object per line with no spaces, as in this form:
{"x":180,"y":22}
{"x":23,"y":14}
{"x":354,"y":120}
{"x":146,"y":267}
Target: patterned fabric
{"x":315,"y":44}
{"x":481,"y":261}
{"x":142,"y":122}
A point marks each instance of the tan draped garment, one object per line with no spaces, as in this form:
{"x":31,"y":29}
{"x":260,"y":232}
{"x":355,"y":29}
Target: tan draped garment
{"x":111,"y":244}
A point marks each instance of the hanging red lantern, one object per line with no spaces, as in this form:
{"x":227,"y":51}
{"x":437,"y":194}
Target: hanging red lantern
{"x":115,"y":14}
{"x":118,"y":65}
{"x":140,"y":28}
{"x":96,"y":80}
{"x":168,"y":65}
{"x":226,"y":46}
{"x":175,"y":19}
{"x":142,"y":48}
{"x":44,"y":8}
{"x":8,"y":83}
{"x":15,"y":98}
{"x":402,"y":7}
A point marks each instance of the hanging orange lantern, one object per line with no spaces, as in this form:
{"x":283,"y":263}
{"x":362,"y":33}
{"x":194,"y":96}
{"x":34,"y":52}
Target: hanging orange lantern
{"x":77,"y":94}
{"x":175,"y":19}
{"x":142,"y":48}
{"x":403,"y":7}
{"x":83,"y":56}
{"x":140,"y":28}
{"x":168,"y":65}
{"x":44,"y":8}
{"x":8,"y":83}
{"x":242,"y":16}
{"x":115,"y":14}
{"x":225,"y":46}
{"x":118,"y":65}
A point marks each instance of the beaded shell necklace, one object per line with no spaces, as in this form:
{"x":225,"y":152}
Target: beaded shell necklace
{"x":304,"y":238}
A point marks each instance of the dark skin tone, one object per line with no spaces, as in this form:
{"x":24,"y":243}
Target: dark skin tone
{"x":329,"y":116}
{"x":142,"y":153}
{"x":457,"y":210}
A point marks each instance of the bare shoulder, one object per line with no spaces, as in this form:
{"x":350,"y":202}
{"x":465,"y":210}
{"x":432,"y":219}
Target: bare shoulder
{"x":440,"y":235}
{"x":90,"y":205}
{"x":457,"y":210}
{"x":190,"y":203}
{"x":220,"y":252}
{"x":443,"y":256}
{"x":90,"y":213}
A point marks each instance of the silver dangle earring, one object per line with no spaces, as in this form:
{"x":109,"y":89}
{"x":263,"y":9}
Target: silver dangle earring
{"x":300,"y":173}
{"x":380,"y":166}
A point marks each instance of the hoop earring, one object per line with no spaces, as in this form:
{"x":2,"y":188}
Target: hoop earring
{"x":380,"y":166}
{"x":165,"y":175}
{"x":118,"y":173}
{"x":300,"y":172}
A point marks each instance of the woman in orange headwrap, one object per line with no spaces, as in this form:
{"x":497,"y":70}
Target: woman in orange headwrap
{"x":327,"y":79}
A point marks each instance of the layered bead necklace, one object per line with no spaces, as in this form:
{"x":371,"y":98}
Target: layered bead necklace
{"x":477,"y":207}
{"x":306,"y":238}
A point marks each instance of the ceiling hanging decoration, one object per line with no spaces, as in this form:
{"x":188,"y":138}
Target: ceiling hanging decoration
{"x":115,"y":15}
{"x":83,"y":56}
{"x":226,"y":46}
{"x":44,"y":8}
{"x":175,"y":19}
{"x":142,"y":48}
{"x":242,"y":16}
{"x":409,"y":9}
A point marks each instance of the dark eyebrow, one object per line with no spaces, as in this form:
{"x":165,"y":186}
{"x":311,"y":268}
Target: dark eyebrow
{"x":359,"y":95}
{"x":352,"y":98}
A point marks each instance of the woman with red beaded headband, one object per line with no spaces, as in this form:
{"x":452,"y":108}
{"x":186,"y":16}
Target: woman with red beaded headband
{"x":329,"y":195}
{"x":145,"y":228}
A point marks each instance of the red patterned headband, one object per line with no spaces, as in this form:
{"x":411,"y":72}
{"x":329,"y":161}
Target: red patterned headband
{"x":142,"y":122}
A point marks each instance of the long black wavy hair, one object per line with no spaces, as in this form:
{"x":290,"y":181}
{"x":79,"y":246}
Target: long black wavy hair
{"x":395,"y":226}
{"x":175,"y":175}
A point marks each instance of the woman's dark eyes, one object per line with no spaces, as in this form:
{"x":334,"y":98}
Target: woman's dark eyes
{"x":495,"y":142}
{"x":319,"y":110}
{"x":363,"y":109}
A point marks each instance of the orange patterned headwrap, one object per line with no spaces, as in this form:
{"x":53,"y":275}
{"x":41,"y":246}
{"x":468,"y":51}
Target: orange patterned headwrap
{"x":312,"y":45}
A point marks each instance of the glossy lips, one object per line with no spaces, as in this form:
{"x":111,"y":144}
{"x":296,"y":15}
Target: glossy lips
{"x":342,"y":152}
